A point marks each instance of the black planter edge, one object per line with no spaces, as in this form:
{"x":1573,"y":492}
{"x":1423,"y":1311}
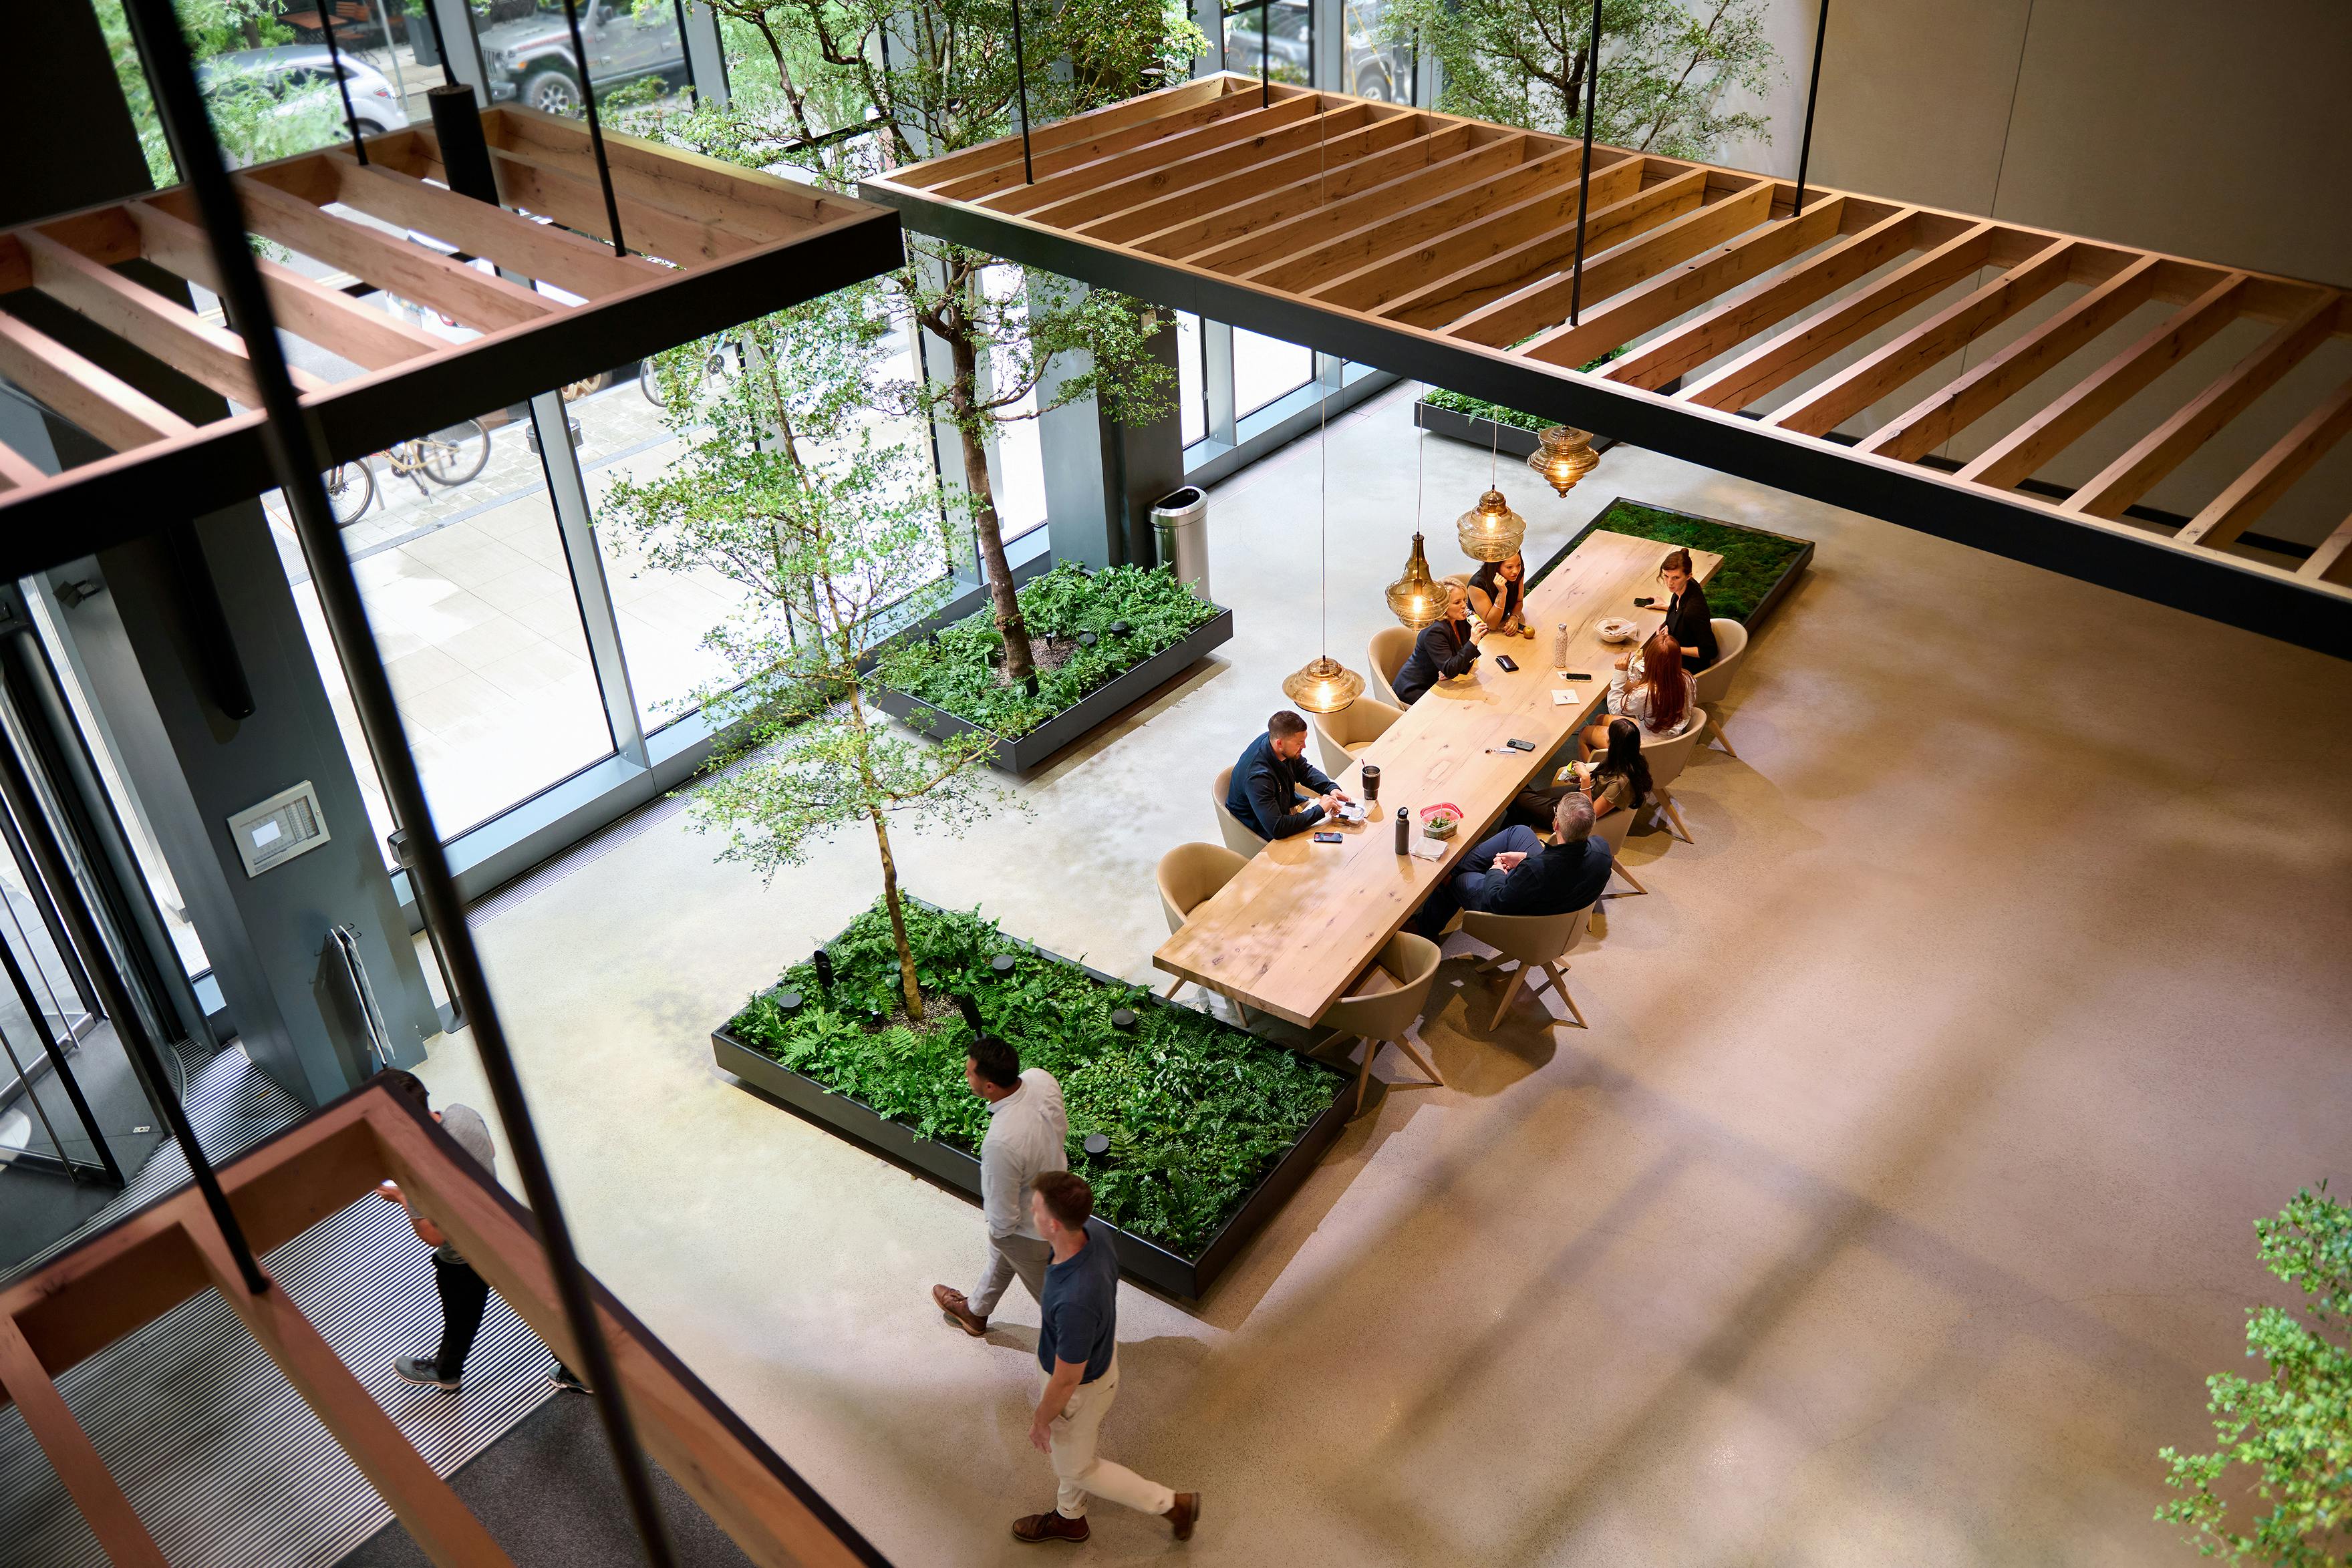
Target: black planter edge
{"x":1798,"y":564}
{"x":1025,"y":754}
{"x":1145,"y":1261}
{"x":1475,"y":429}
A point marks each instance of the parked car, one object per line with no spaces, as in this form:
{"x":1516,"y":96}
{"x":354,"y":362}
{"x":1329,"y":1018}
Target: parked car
{"x":300,"y":77}
{"x":531,"y":61}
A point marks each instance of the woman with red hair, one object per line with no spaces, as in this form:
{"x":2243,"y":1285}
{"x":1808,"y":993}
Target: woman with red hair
{"x":1653,"y":690}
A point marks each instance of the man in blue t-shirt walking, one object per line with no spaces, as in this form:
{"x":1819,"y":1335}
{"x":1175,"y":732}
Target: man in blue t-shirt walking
{"x":1078,"y":1351}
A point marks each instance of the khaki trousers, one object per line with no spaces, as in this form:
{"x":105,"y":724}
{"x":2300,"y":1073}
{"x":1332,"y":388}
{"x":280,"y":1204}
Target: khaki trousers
{"x":1080,"y":1469}
{"x":1025,"y":1255}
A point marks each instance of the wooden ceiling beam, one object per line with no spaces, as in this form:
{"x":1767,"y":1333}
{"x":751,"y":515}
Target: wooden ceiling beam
{"x":1684,"y":288}
{"x":1952,"y":408}
{"x":548,"y":252}
{"x":1167,"y":158}
{"x":1923,"y":348}
{"x":120,"y":1533}
{"x":2164,"y":449}
{"x":1308,"y":142}
{"x":751,"y":202}
{"x":18,"y":472}
{"x":1222,"y":208}
{"x":577,"y":203}
{"x":2065,"y":420}
{"x":1781,"y":358}
{"x":1607,"y":224}
{"x":1086,"y":130}
{"x":1360,"y":218}
{"x":1446,"y":235}
{"x":1043,"y":162}
{"x":2254,"y":492}
{"x":1775,"y":299}
{"x":2332,"y":561}
{"x":164,"y":328}
{"x":465,"y":293}
{"x":1608,"y":272}
{"x":113,"y":410}
{"x":368,"y":337}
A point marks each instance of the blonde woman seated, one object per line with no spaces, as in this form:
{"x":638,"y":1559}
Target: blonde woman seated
{"x":1653,"y":690}
{"x":1498,"y":596}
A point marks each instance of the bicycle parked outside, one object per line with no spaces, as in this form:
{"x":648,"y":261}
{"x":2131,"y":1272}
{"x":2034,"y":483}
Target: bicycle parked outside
{"x":449,"y":457}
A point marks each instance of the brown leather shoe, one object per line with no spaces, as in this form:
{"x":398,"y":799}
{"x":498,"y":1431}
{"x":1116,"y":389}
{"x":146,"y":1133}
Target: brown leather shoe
{"x":1186,"y":1513}
{"x":953,"y":1302}
{"x":1037,"y":1529}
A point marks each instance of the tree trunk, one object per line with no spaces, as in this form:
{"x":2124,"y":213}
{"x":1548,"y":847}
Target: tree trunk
{"x":963,"y":395}
{"x":906,"y":981}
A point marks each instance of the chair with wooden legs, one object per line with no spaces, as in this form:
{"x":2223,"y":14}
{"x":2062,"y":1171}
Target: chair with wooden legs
{"x":1190,"y":875}
{"x":1538,"y":942}
{"x":1715,"y":681}
{"x":1383,"y":1004}
{"x":1611,"y":830}
{"x":1340,"y":736}
{"x":1244,"y":841}
{"x":1391,"y":646}
{"x":1666,"y":759}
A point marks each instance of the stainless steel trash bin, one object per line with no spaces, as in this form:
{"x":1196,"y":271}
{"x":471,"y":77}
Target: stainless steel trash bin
{"x":1180,"y":526}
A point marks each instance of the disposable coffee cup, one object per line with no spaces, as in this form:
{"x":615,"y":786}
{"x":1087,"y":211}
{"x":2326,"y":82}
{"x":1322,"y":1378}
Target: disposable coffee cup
{"x":1371,"y":781}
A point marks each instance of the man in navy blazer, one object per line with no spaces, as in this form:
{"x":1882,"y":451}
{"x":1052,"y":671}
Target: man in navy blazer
{"x":1518,"y":872}
{"x":1263,"y":794}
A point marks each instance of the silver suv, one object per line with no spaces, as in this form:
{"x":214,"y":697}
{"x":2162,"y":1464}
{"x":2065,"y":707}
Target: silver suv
{"x":530,"y":58}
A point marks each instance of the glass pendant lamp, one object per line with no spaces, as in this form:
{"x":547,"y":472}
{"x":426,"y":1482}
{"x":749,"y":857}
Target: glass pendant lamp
{"x":1323,"y":685}
{"x":1565,"y":456}
{"x":1416,"y":598}
{"x":1491,"y":531}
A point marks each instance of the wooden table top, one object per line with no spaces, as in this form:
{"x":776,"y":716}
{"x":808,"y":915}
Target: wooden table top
{"x":1303,"y":919}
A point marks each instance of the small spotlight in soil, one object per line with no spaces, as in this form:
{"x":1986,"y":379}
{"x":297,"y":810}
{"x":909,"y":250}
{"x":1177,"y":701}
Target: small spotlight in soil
{"x":1120,"y":628}
{"x":788,"y":1002}
{"x":1120,"y":1018}
{"x":1097,"y":1143}
{"x":1002,"y":964}
{"x":1086,"y":639}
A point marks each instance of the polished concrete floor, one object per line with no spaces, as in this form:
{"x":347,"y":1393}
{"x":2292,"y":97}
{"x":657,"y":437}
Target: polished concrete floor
{"x":1893,"y":1208}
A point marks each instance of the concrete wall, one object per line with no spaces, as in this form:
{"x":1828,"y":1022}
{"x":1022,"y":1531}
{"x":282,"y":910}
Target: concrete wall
{"x":2219,"y":134}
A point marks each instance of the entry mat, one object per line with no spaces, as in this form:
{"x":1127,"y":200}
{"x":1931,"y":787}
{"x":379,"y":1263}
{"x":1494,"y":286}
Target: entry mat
{"x":218,"y":1454}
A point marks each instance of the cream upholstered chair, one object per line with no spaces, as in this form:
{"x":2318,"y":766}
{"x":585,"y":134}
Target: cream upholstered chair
{"x":1190,"y":875}
{"x":1715,"y":681}
{"x":1244,"y":841}
{"x":1383,"y":1004}
{"x":1538,"y":942}
{"x":1340,"y":736}
{"x":1666,"y":759}
{"x":1611,"y":830}
{"x":1390,"y":647}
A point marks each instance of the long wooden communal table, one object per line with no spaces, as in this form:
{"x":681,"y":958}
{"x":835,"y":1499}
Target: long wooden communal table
{"x":1302,"y":920}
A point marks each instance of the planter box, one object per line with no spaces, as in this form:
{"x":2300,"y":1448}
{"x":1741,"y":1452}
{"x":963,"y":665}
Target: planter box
{"x":1147,"y":1262}
{"x":1025,"y":753}
{"x":1795,"y":569}
{"x":1479,"y":432}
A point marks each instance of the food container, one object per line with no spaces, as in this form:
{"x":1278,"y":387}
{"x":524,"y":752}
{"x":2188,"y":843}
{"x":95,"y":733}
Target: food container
{"x":1440,"y":821}
{"x":1617,"y":629}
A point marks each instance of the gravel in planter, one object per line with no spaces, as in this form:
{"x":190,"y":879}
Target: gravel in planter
{"x":1194,"y":1112}
{"x":958,"y":670}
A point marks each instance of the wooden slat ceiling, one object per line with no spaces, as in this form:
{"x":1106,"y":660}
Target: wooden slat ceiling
{"x":711,"y":244}
{"x":1440,"y":248}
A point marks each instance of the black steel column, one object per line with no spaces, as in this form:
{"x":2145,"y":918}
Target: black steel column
{"x":1584,"y":186}
{"x":1021,"y":86}
{"x":342,"y":83}
{"x":1812,"y":97}
{"x":595,"y":131}
{"x":296,"y":458}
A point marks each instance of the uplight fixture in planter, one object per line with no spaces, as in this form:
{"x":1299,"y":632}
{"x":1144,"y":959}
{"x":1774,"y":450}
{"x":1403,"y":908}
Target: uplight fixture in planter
{"x":1097,"y":1143}
{"x":1002,"y":964}
{"x":1121,"y":1018}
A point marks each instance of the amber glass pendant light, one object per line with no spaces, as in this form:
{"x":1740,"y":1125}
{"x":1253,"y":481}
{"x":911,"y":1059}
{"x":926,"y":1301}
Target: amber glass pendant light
{"x":1565,"y":456}
{"x":1491,"y":531}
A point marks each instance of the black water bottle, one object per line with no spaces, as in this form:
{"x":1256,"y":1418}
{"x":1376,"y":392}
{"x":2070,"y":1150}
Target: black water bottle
{"x":1404,"y":832}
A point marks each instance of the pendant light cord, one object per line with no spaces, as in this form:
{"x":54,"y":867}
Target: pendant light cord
{"x":1322,"y":406}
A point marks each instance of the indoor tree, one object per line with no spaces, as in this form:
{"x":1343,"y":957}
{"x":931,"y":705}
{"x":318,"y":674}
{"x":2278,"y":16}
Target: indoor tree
{"x":834,"y":537}
{"x":1666,"y":66}
{"x":848,"y":87}
{"x":2294,"y":1429}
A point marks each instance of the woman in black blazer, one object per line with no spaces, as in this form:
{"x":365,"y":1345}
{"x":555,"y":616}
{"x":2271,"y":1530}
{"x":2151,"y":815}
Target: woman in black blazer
{"x":1688,"y":619}
{"x":1445,"y":649}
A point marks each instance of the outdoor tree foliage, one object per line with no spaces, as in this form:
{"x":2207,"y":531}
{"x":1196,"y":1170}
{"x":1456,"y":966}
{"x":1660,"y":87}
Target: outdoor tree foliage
{"x":1665,"y":66}
{"x":782,"y":489}
{"x":848,"y":87}
{"x":251,"y":116}
{"x":2292,"y":1429}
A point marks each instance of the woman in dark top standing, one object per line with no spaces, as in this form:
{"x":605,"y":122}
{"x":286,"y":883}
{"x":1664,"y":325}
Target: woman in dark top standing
{"x":1688,"y":618}
{"x":1499,"y":597}
{"x":1445,"y":649}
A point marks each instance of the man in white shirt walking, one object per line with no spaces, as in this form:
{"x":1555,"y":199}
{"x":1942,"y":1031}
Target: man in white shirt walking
{"x":1027,"y":1132}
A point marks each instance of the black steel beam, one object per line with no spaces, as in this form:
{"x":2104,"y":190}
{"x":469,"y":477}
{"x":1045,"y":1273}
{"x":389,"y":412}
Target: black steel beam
{"x":122,"y":498}
{"x":2202,"y":583}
